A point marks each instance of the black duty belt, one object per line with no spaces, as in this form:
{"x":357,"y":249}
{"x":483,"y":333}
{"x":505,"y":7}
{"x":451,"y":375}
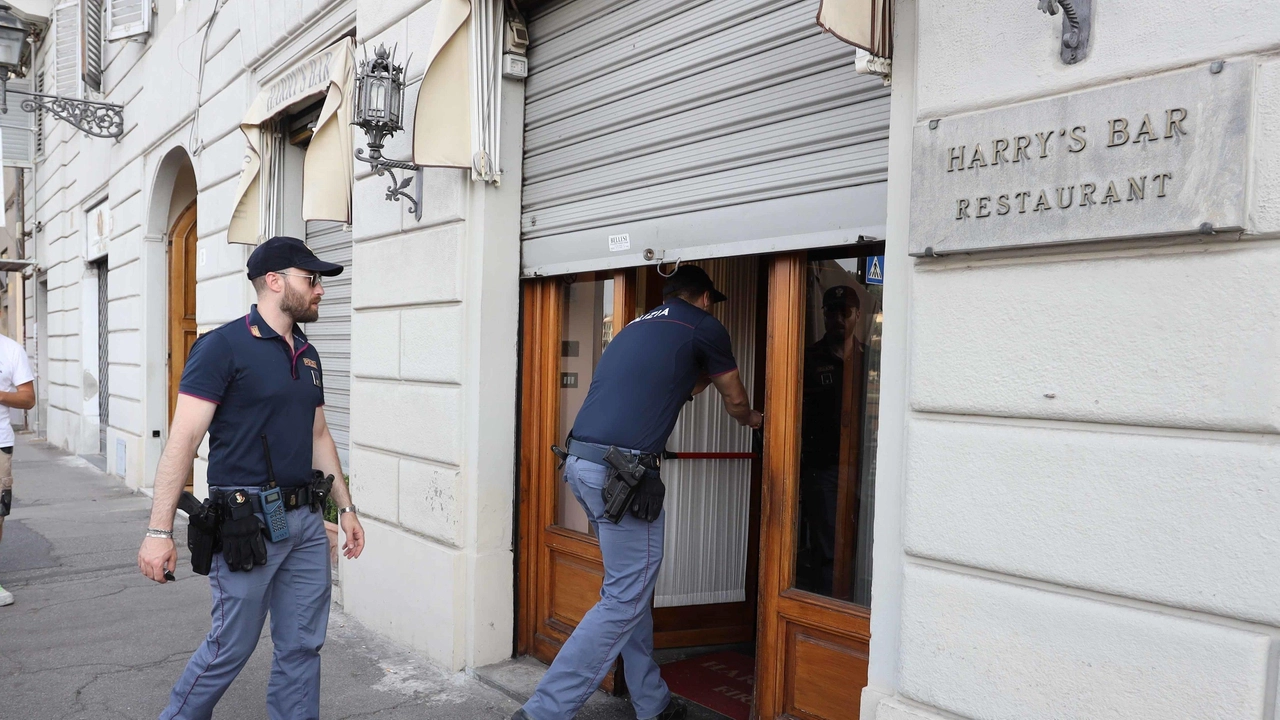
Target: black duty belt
{"x":594,"y":453}
{"x":293,"y":497}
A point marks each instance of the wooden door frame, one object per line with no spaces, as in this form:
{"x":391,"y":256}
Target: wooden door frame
{"x":780,"y":603}
{"x":185,"y":221}
{"x":541,"y":310}
{"x":542,"y":302}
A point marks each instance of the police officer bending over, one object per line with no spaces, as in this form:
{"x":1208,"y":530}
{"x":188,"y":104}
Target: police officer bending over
{"x":650,"y":369}
{"x":256,"y":386}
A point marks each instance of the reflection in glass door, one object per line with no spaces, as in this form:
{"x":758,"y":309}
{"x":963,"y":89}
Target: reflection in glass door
{"x":586,"y":328}
{"x":839,"y":423}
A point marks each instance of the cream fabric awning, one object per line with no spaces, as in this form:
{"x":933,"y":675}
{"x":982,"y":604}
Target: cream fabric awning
{"x":442,"y":122}
{"x":328,"y":172}
{"x":867,"y":24}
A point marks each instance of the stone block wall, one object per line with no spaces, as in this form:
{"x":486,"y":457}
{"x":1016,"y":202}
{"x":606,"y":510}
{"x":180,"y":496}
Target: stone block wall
{"x":436,"y":304}
{"x":1088,"y":459}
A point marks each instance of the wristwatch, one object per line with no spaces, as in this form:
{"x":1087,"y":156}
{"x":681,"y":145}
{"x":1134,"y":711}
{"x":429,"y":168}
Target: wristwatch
{"x":347,"y":509}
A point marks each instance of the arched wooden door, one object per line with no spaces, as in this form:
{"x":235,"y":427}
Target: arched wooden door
{"x":182,"y":297}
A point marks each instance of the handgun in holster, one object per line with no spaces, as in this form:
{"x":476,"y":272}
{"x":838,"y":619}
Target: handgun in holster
{"x":561,"y":454}
{"x":321,"y":488}
{"x":202,"y":531}
{"x":621,"y":486}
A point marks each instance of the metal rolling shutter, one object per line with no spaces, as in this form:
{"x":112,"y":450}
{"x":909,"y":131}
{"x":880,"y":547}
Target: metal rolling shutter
{"x":697,"y":128}
{"x":331,"y":334}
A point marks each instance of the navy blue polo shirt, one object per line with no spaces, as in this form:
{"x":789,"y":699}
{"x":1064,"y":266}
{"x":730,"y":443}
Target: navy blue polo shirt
{"x":260,"y":387}
{"x":645,"y":376}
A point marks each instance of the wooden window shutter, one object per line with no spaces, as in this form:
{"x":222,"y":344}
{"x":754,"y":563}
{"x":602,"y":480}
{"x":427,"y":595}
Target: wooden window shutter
{"x":91,"y":43}
{"x":128,"y":18}
{"x":17,"y":129}
{"x":66,"y":50}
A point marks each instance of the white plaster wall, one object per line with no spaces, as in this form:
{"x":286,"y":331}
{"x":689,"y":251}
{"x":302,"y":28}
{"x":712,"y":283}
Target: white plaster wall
{"x":982,"y":648}
{"x":1174,"y":519}
{"x":434,"y":360}
{"x":1088,"y":503}
{"x":987,"y":53}
{"x":1135,"y":338}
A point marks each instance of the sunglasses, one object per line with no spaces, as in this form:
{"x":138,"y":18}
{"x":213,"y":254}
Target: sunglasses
{"x":315,"y":278}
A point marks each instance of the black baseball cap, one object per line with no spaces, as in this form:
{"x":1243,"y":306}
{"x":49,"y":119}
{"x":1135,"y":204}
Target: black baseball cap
{"x":841,"y":296}
{"x":281,"y":253}
{"x":691,"y":279}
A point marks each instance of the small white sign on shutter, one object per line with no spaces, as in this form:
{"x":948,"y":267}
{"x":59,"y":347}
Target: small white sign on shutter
{"x":66,"y":46}
{"x":17,"y":128}
{"x":128,"y":18}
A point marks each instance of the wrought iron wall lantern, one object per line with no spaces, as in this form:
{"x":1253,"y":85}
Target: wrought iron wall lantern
{"x":379,"y":111}
{"x":98,"y":119}
{"x":1077,"y":25}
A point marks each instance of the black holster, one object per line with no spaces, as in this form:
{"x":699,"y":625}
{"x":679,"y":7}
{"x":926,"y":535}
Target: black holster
{"x":203,"y":538}
{"x":628,"y":472}
{"x":321,"y":488}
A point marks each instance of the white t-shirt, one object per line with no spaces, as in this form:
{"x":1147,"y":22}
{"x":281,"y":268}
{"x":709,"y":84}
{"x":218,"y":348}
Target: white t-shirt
{"x":15,"y":370}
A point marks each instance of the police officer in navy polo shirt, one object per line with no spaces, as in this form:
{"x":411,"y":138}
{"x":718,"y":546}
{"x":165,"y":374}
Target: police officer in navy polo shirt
{"x":257,"y":386}
{"x":645,"y":376}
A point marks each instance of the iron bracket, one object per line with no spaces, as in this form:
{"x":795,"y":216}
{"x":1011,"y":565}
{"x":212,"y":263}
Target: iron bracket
{"x":98,"y":119}
{"x":399,"y":188}
{"x":1077,"y":26}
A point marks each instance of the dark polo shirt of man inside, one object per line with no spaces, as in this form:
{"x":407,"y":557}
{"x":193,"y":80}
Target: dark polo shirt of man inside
{"x":261,"y":387}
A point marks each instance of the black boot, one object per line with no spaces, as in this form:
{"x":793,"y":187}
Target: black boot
{"x":675,"y":710}
{"x":521,"y":715}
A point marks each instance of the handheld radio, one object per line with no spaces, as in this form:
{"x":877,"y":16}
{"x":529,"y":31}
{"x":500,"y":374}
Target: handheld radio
{"x":272,"y":502}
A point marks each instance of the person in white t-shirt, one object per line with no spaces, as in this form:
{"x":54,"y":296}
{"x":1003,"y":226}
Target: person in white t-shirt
{"x":17,"y":390}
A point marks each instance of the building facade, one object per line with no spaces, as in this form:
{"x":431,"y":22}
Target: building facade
{"x":1017,"y":458}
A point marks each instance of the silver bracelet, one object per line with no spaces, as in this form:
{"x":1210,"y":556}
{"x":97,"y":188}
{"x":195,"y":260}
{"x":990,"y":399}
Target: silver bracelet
{"x":158,"y":533}
{"x":347,"y":509}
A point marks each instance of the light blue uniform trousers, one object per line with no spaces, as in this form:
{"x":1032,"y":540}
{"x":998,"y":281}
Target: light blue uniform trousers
{"x":294,"y":586}
{"x":621,"y":623}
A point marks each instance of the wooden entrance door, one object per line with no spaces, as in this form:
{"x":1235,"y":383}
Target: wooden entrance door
{"x":182,"y":297}
{"x":814,"y":636}
{"x":560,"y":567}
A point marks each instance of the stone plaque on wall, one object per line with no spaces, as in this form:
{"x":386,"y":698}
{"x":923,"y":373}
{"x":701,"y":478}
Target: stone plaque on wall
{"x":1160,"y":156}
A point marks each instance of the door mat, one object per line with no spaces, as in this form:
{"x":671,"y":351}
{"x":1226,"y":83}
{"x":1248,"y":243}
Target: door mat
{"x":723,"y":681}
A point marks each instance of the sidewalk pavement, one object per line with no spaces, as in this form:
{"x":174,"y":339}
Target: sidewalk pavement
{"x":90,"y":638}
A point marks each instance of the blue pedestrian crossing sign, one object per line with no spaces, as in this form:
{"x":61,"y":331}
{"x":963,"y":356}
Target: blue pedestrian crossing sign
{"x":875,"y":270}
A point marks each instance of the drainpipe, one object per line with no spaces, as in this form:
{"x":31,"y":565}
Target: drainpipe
{"x":20,"y":225}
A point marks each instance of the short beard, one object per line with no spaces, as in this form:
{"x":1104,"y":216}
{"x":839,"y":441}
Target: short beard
{"x":298,"y":306}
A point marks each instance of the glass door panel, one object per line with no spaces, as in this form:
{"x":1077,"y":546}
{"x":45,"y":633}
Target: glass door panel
{"x":839,"y":424}
{"x":586,"y":328}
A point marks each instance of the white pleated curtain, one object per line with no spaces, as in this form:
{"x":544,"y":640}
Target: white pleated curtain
{"x":708,"y":502}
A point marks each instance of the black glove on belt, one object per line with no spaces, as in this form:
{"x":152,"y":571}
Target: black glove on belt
{"x":646,"y":503}
{"x":243,"y":546}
